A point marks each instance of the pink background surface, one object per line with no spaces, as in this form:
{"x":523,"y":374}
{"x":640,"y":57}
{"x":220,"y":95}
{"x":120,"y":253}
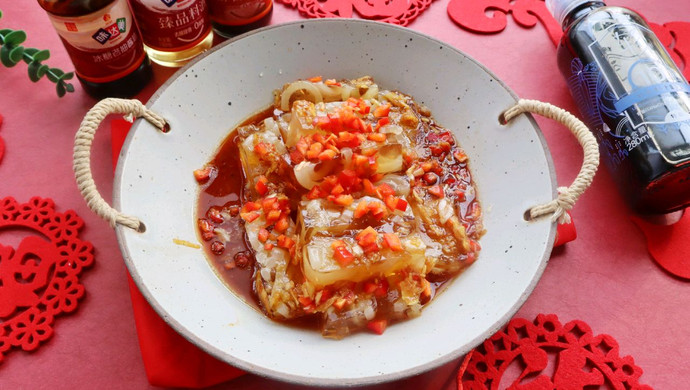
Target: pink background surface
{"x":605,"y":278}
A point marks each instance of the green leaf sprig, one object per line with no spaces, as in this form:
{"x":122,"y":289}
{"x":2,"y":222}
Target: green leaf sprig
{"x":11,"y":53}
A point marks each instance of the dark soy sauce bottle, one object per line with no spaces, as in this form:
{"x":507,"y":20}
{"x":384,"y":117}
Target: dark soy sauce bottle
{"x":634,"y":99}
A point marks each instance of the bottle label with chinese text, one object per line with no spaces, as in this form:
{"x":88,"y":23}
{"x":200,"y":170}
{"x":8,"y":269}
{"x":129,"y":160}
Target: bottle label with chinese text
{"x":104,"y":45}
{"x":633,"y":97}
{"x":172,"y":25}
{"x":238,"y":12}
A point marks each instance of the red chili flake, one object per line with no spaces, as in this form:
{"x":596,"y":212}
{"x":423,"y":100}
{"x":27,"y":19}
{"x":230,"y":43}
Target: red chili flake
{"x":445,"y":146}
{"x":314,"y":193}
{"x":202,"y":175}
{"x":315,"y":79}
{"x":268,"y":246}
{"x":251,"y":206}
{"x":285,"y":242}
{"x":384,"y":190}
{"x":392,"y":241}
{"x":432,"y":137}
{"x":382,"y":122}
{"x":460,"y":156}
{"x":348,"y":179}
{"x":314,"y":150}
{"x":378,"y":326}
{"x":282,"y":224}
{"x":361,"y":209}
{"x":302,"y":145}
{"x":377,"y":137}
{"x":402,"y":204}
{"x":382,"y":110}
{"x":251,"y":216}
{"x":391,"y":202}
{"x":217,"y":247}
{"x":429,"y":178}
{"x":369,"y":287}
{"x":343,"y":256}
{"x":382,"y":288}
{"x":323,"y":295}
{"x":234,"y":211}
{"x":327,"y":155}
{"x":263,"y":235}
{"x":343,"y":200}
{"x":273,"y":216}
{"x":367,"y":237}
{"x":270,"y":203}
{"x":377,"y":210}
{"x":436,"y":190}
{"x":262,"y":185}
{"x":337,"y":190}
{"x":376,"y":177}
{"x":436,"y":150}
{"x":307,"y":304}
{"x":369,"y":188}
{"x":446,"y":136}
{"x":369,"y":152}
{"x":363,"y":107}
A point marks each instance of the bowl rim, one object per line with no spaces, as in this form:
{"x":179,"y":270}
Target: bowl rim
{"x":319,"y":381}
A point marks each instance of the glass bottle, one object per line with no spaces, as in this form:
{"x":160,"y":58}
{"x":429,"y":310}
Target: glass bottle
{"x":174,"y":31}
{"x":634,"y":99}
{"x":234,"y":17}
{"x":103,"y":43}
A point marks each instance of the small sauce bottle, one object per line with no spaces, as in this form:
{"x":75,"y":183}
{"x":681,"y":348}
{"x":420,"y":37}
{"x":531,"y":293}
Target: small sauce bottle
{"x":234,"y":17}
{"x":174,"y":31}
{"x":634,"y":99}
{"x":103,"y":43}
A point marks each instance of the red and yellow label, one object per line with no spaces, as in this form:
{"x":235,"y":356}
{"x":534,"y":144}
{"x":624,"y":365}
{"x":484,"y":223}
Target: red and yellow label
{"x":104,"y":45}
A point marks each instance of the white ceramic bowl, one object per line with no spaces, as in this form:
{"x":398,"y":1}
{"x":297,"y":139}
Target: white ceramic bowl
{"x":204,"y":101}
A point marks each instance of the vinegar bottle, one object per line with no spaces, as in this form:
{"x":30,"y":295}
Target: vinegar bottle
{"x":233,"y":17}
{"x":634,"y":99}
{"x":174,"y":32}
{"x":103,"y":43}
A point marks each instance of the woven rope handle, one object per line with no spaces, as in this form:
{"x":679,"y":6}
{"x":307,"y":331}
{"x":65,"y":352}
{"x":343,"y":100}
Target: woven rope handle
{"x":567,"y":196}
{"x":82,"y":155}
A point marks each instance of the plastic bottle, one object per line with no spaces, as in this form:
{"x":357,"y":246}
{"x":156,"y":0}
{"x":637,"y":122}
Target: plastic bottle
{"x":633,"y":97}
{"x":103,"y":43}
{"x":233,"y":17}
{"x":174,"y":31}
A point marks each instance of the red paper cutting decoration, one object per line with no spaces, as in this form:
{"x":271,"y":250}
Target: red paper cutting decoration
{"x":582,"y":360}
{"x":490,"y":16}
{"x":40,"y":278}
{"x":401,"y":12}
